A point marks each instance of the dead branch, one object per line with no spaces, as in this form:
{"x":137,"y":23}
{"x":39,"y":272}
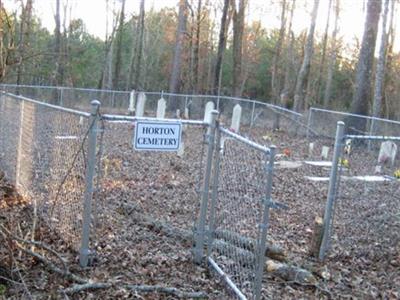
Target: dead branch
{"x":138,"y":288}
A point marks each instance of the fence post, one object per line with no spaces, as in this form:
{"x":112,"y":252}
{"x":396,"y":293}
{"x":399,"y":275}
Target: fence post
{"x":331,"y":190}
{"x":90,"y":170}
{"x":215,"y":184}
{"x":201,"y":224}
{"x":252,"y":115}
{"x":309,"y":122}
{"x":20,"y":142}
{"x":264,"y":226}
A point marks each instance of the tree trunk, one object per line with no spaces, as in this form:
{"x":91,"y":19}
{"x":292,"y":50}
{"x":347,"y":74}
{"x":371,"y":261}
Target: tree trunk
{"x":25,"y":30}
{"x":118,"y":56}
{"x":284,"y":96}
{"x":59,"y":71}
{"x":221,"y":47}
{"x":177,"y":62}
{"x":316,"y":90}
{"x":238,"y":28}
{"x":380,"y":70}
{"x":139,"y":52}
{"x":362,"y":93}
{"x":277,"y":54}
{"x":332,"y":58}
{"x":302,"y":78}
{"x":196,"y":50}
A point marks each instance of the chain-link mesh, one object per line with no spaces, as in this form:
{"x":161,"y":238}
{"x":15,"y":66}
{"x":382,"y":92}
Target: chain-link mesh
{"x":162,"y":186}
{"x":238,"y":211}
{"x":42,"y":151}
{"x":323,"y":123}
{"x":366,"y":219}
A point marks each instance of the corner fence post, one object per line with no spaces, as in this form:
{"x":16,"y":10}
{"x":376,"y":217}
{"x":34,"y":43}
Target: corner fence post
{"x":331,"y":190}
{"x":90,"y":170}
{"x":201,"y":224}
{"x":260,"y":255}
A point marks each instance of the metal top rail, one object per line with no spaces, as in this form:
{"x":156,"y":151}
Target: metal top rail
{"x":354,"y":115}
{"x":56,"y":107}
{"x":109,"y":117}
{"x":246,"y":141}
{"x":372,"y":137}
{"x":62,"y":88}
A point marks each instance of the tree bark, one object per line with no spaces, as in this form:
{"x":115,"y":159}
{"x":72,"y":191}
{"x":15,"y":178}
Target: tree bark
{"x":277,"y":54}
{"x":315,"y":93}
{"x":139,"y":52}
{"x":302,"y":78}
{"x":238,"y":28}
{"x":177,"y":62}
{"x":332,"y":58}
{"x":118,"y":56}
{"x":380,"y":70}
{"x":25,"y":30}
{"x":196,"y":49}
{"x":362,"y":93}
{"x":284,"y":96}
{"x":221,"y":47}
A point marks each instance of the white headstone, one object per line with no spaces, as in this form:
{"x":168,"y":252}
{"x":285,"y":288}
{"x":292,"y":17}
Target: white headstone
{"x":161,"y":106}
{"x":181,"y":150}
{"x":325,"y":152}
{"x":131,"y":107}
{"x":347,"y":146}
{"x":178,"y":113}
{"x":378,"y":169}
{"x":387,"y":153}
{"x":141,"y":102}
{"x":311,"y":149}
{"x":236,"y":115}
{"x":207,"y":112}
{"x":80,"y":120}
{"x":186,"y":113}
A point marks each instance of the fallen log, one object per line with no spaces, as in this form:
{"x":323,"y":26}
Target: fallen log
{"x":272,"y":251}
{"x":244,"y":257}
{"x":278,"y":269}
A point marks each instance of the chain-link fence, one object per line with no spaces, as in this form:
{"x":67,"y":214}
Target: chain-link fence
{"x":322,"y":122}
{"x":361,"y":215}
{"x":238,"y":215}
{"x":42,"y":152}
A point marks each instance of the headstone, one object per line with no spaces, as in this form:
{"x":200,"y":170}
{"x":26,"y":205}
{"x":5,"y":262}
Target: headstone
{"x":378,"y":169}
{"x":236,"y":115}
{"x":141,"y":102}
{"x":347,"y":146}
{"x":207,"y":111}
{"x":387,"y":153}
{"x":178,"y":113}
{"x":311,"y":149}
{"x":131,"y":107}
{"x":161,"y":106}
{"x":325,"y":152}
{"x":80,"y":120}
{"x":181,"y":150}
{"x":186,"y":113}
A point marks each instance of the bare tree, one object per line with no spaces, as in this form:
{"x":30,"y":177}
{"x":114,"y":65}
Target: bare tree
{"x":302,"y":78}
{"x":238,"y":28}
{"x":380,"y":70}
{"x":362,"y":93}
{"x":139,"y":51}
{"x":177,"y":62}
{"x":118,"y":55}
{"x":221,"y":47}
{"x":277,"y":55}
{"x":284,"y":96}
{"x":196,"y":48}
{"x":332,"y":57}
{"x":58,"y":49}
{"x":24,"y":33}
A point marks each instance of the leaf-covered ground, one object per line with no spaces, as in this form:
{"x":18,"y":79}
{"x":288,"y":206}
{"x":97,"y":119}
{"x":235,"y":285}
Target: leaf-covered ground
{"x":363,"y":262}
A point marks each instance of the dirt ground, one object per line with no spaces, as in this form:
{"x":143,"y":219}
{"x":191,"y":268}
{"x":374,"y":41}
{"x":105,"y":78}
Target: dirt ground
{"x":363,"y":261}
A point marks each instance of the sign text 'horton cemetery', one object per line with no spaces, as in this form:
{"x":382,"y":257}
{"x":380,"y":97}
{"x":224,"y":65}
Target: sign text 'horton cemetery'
{"x":157,"y":136}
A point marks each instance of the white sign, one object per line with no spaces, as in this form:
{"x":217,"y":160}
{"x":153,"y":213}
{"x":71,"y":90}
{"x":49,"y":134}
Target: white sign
{"x":157,"y":136}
